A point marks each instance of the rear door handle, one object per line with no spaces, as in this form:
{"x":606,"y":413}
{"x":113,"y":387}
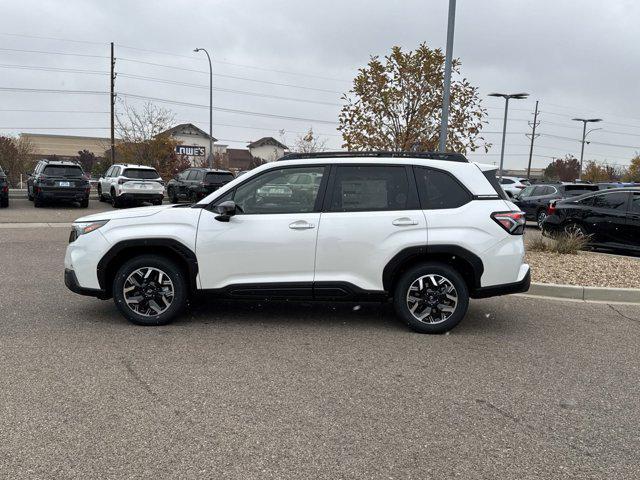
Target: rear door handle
{"x":301,"y":225}
{"x":404,"y":222}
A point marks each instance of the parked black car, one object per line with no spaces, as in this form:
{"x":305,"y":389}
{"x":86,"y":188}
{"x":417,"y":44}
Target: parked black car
{"x":611,"y":218}
{"x":534,"y":199}
{"x":4,"y":189}
{"x":196,"y":183}
{"x":58,"y":180}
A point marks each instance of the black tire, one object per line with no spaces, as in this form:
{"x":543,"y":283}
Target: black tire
{"x":541,"y":216}
{"x":577,"y":229}
{"x":101,"y":197}
{"x":157,"y":202}
{"x":432,"y":297}
{"x":175,"y":274}
{"x":84,"y":203}
{"x":36,"y":202}
{"x":173,"y":198}
{"x":29,"y":196}
{"x":115,"y":201}
{"x":192,"y":197}
{"x":4,"y":203}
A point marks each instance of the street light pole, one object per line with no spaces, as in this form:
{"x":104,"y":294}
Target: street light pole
{"x":584,"y":136}
{"x":507,"y":97}
{"x":210,"y":157}
{"x":444,"y":120}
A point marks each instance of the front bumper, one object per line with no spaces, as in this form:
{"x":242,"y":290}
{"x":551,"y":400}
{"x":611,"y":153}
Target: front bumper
{"x":504,"y":289}
{"x":71,"y":282}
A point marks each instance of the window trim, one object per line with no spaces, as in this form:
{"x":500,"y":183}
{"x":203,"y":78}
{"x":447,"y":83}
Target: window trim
{"x":412,"y":201}
{"x":472,"y":197}
{"x":317,"y":207}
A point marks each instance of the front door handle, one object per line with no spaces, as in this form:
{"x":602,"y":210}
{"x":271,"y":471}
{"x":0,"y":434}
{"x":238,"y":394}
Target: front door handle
{"x":404,"y":222}
{"x":301,"y":225}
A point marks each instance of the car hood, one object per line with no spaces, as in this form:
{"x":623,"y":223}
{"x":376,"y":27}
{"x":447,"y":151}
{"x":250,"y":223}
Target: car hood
{"x":125,"y":213}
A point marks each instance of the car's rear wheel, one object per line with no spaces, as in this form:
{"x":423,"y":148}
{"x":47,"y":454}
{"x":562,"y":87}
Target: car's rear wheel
{"x":576,"y":229}
{"x":431,"y":298}
{"x":101,"y":197}
{"x":4,"y":203}
{"x":84,"y":203}
{"x":115,"y":201}
{"x":173,"y":198}
{"x":541,"y":217}
{"x":150,"y":290}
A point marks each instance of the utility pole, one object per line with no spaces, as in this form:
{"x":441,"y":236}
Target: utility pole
{"x":533,"y":137}
{"x":113,"y":106}
{"x":584,"y":137}
{"x":444,"y":120}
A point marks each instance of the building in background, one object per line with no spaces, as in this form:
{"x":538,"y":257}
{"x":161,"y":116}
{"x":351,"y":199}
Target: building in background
{"x":66,"y":147}
{"x":194,"y":143}
{"x":268,"y":149}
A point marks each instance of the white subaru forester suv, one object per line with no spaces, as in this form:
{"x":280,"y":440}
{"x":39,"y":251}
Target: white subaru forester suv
{"x":427,"y":230}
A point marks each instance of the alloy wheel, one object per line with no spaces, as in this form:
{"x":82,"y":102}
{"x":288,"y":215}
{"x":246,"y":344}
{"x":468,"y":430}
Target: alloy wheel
{"x":542,"y":216}
{"x":148,"y":291}
{"x":432,"y":298}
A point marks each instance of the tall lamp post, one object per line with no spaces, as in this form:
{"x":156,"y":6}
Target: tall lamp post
{"x":444,"y":120}
{"x":507,"y":97}
{"x":210,"y":158}
{"x":584,"y":136}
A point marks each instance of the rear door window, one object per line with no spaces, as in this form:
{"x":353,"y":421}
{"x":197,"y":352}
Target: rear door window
{"x":635,"y":203}
{"x":372,"y":188}
{"x":438,"y":189}
{"x":611,"y":201}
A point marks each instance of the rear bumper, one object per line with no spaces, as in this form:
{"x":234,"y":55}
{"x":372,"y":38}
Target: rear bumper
{"x":504,"y":289}
{"x":71,"y":194}
{"x":71,"y":282}
{"x":140,"y":197}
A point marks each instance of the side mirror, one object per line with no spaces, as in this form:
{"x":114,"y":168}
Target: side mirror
{"x":225,"y":211}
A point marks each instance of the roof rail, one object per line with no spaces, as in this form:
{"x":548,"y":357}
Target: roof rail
{"x":452,"y":157}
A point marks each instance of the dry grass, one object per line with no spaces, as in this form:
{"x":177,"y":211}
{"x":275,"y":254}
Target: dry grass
{"x":566,"y":243}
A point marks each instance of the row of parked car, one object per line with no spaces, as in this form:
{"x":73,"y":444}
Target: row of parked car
{"x":122,"y":184}
{"x":608,"y":214}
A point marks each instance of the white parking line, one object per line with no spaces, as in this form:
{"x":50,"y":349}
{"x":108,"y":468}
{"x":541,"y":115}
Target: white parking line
{"x":35,"y":225}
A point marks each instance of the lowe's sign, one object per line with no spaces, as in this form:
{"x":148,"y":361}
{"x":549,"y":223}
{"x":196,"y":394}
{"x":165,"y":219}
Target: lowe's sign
{"x":190,"y":150}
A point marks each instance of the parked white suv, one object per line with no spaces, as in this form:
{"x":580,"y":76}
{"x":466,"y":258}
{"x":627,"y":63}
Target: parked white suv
{"x":124,"y":184}
{"x":426,"y":230}
{"x":513,"y":185}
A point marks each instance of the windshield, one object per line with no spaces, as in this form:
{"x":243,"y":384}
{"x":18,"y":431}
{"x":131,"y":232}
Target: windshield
{"x":223,"y":177}
{"x":62,"y":171}
{"x":141,"y":173}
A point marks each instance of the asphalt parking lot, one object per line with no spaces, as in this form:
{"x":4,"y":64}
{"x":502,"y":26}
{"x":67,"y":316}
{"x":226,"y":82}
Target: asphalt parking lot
{"x":523,"y":388}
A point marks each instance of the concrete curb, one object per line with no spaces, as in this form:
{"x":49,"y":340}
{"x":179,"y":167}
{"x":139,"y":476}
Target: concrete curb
{"x":585,"y":294}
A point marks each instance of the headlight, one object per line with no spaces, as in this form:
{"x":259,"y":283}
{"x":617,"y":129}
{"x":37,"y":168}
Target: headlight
{"x":82,"y":228}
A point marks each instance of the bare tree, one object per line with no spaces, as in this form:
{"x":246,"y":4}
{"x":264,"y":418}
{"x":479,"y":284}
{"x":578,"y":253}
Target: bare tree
{"x":309,"y":143}
{"x":141,"y":124}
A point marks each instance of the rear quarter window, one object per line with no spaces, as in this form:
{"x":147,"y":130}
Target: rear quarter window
{"x":490,"y":175}
{"x":438,"y":190}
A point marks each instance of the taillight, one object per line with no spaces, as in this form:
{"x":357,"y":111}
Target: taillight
{"x":512,"y":222}
{"x":551,"y":208}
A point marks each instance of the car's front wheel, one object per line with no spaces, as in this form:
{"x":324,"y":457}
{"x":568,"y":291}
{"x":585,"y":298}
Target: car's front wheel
{"x":150,"y":290}
{"x":431,"y":298}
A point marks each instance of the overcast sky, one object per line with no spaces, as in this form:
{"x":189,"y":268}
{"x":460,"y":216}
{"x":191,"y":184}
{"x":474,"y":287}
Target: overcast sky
{"x":578,"y":58}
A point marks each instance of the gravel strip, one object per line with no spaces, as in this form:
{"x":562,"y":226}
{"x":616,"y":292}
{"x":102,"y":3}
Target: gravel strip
{"x":586,"y":269}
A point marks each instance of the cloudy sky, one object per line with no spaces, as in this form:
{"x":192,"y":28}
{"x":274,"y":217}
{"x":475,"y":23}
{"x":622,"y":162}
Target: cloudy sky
{"x":282,"y":65}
